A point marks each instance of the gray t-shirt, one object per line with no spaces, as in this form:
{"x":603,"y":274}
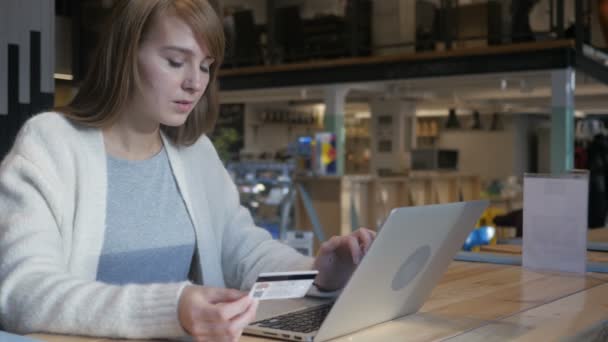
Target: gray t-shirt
{"x":7,"y":337}
{"x":149,"y":236}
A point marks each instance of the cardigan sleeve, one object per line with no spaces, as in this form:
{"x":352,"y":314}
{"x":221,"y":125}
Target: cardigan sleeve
{"x":37,"y":291}
{"x":248,"y":250}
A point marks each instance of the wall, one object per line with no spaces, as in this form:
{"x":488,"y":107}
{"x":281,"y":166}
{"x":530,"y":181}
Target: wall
{"x":393,"y":22}
{"x":492,"y":154}
{"x":487,"y":154}
{"x":395,"y":134}
{"x":27,"y":31}
{"x":271,"y":137}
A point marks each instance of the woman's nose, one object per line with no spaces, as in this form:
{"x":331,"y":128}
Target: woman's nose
{"x":193,"y":82}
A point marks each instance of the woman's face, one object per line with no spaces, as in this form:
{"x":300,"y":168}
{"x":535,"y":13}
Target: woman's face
{"x":174,"y":70}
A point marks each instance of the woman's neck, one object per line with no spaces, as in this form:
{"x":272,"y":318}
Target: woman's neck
{"x":132,"y":141}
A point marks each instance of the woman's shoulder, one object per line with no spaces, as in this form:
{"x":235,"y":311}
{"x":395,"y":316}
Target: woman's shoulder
{"x":201,"y":155}
{"x":50,"y":122}
{"x":51,"y":134}
{"x":201,"y":147}
{"x":52,"y":127}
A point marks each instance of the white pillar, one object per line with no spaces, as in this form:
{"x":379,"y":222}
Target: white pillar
{"x":392,"y":135}
{"x":333,"y":121}
{"x":562,"y":120}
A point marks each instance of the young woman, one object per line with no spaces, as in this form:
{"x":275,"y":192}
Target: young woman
{"x":117,"y":217}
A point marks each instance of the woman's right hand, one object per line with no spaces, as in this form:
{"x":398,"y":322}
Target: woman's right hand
{"x":215,"y":314}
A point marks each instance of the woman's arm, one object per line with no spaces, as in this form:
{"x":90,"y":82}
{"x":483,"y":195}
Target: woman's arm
{"x":37,"y":292}
{"x":248,"y":250}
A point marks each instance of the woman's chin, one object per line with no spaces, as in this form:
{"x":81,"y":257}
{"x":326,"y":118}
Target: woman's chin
{"x":174,"y":120}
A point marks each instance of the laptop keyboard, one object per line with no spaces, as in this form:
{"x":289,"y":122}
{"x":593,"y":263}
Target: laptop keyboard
{"x":303,"y":321}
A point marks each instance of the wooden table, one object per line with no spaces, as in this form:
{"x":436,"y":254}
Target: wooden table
{"x":597,"y":235}
{"x":480,"y":302}
{"x":592,"y":256}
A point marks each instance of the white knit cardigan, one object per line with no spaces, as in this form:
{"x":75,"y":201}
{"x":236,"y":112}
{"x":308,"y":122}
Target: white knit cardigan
{"x":52,"y":221}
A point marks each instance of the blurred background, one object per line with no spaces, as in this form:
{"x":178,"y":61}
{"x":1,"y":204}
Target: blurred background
{"x":335,"y":111}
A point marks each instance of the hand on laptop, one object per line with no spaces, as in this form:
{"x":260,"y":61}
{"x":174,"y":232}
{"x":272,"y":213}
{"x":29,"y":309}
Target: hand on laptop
{"x":339,"y":256}
{"x":215,"y":314}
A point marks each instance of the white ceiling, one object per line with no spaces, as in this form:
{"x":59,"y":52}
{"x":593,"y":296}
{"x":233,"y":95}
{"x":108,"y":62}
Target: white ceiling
{"x":522,"y":92}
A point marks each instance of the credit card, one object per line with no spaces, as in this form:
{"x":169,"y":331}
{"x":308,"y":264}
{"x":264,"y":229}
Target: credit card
{"x":282,"y":285}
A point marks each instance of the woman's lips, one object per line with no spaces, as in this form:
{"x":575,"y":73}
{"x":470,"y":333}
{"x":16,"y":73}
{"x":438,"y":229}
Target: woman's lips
{"x":183,"y":106}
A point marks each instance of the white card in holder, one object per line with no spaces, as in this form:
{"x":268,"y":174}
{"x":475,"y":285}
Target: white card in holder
{"x":555,"y":222}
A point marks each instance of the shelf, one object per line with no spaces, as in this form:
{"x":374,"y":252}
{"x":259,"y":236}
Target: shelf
{"x":285,"y":124}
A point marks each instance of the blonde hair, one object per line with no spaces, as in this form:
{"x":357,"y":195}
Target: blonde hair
{"x":113,"y":77}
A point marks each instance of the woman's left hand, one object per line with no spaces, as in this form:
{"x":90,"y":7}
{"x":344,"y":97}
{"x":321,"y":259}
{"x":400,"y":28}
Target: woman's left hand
{"x":339,"y":256}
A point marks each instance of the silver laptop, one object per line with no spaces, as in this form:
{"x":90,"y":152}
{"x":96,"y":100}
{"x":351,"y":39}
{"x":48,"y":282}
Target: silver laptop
{"x":410,"y":254}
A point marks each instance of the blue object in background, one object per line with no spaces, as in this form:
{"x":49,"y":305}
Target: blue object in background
{"x":478,"y":237}
{"x":304,"y":146}
{"x":271,"y":227}
{"x":304,"y":153}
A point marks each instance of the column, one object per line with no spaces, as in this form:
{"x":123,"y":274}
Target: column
{"x":393,"y":135}
{"x":333,"y":120}
{"x":562,"y":120}
{"x":27,"y":31}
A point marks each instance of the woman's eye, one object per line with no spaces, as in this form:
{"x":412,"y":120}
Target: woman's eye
{"x":174,"y":64}
{"x":205,"y":69}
